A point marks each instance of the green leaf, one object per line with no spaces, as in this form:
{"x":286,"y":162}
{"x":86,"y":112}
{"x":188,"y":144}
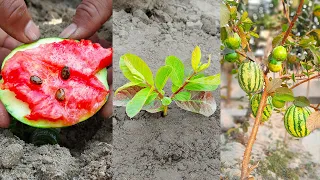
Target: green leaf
{"x":166,"y":101}
{"x":196,"y":58}
{"x":136,"y":103}
{"x":200,"y":102}
{"x":177,"y":74}
{"x":151,"y":98}
{"x":135,"y":69}
{"x":183,"y":96}
{"x":162,"y":76}
{"x":254,"y":34}
{"x":285,"y":27}
{"x":224,"y":34}
{"x":316,"y":54}
{"x":276,"y":40}
{"x":209,"y":80}
{"x":283,"y":94}
{"x":301,"y":101}
{"x":174,"y":88}
{"x":200,"y":87}
{"x":293,"y":77}
{"x":205,"y":65}
{"x":129,"y":84}
{"x":244,"y":16}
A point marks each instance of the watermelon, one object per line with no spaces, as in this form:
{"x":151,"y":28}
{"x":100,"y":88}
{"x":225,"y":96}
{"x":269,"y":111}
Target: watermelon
{"x":55,"y":82}
{"x":250,"y":77}
{"x":267,"y":111}
{"x":295,"y":120}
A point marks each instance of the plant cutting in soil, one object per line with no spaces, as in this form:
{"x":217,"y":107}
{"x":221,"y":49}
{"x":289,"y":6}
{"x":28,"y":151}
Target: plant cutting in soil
{"x":191,"y":91}
{"x":294,"y":56}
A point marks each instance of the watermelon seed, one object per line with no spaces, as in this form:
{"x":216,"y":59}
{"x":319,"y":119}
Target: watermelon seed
{"x":65,"y":73}
{"x":35,"y":80}
{"x":60,"y":95}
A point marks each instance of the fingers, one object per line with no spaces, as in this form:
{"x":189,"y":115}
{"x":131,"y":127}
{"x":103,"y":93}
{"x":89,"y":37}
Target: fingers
{"x":16,"y":21}
{"x":7,"y":41}
{"x":107,"y":110}
{"x":4,"y":117}
{"x":90,"y":16}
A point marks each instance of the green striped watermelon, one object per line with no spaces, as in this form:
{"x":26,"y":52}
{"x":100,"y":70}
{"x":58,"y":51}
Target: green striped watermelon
{"x":295,"y":120}
{"x":267,"y":111}
{"x":250,"y":77}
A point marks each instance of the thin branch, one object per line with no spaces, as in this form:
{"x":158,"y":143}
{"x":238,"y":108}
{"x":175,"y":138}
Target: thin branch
{"x":286,"y":11}
{"x":292,"y":22}
{"x":183,"y":85}
{"x":306,"y":80}
{"x":298,"y":75}
{"x":244,"y":55}
{"x":316,"y":108}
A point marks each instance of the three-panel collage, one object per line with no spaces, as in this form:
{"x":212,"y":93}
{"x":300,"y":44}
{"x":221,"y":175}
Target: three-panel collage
{"x":160,"y":90}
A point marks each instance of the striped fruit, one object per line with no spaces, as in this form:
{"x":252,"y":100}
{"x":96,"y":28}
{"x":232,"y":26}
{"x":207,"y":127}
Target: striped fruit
{"x":250,"y":77}
{"x":295,"y":120}
{"x":267,"y":111}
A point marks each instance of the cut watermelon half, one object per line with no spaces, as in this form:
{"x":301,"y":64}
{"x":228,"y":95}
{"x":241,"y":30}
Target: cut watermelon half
{"x":55,"y":82}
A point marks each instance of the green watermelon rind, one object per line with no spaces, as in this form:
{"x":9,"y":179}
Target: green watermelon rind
{"x":295,"y":119}
{"x":250,"y":77}
{"x":19,"y":109}
{"x":267,"y":111}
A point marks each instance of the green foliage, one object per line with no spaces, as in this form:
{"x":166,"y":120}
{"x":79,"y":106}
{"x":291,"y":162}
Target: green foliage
{"x":191,"y":92}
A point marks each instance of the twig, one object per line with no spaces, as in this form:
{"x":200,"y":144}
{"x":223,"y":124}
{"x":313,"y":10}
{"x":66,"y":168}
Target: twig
{"x":306,"y":80}
{"x":292,"y":22}
{"x":183,"y":85}
{"x":286,"y":11}
{"x":298,"y":75}
{"x":244,"y":55}
{"x":316,"y":108}
{"x":247,"y":153}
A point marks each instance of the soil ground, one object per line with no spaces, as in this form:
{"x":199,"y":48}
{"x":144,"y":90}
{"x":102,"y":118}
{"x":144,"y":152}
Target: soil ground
{"x":85,"y":150}
{"x":183,"y":145}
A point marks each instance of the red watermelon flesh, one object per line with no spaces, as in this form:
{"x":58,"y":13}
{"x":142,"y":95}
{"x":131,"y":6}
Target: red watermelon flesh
{"x":84,"y":93}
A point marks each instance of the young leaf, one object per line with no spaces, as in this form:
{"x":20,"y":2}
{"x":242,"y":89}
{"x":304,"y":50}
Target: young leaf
{"x":177,"y":74}
{"x":183,"y":96}
{"x":151,"y":98}
{"x":200,"y":102}
{"x":153,"y":106}
{"x":209,"y":80}
{"x":283,"y":94}
{"x":174,"y":88}
{"x":123,"y":96}
{"x":136,"y":103}
{"x":166,"y":101}
{"x":301,"y":101}
{"x":162,"y":76}
{"x":137,"y":66}
{"x":200,"y":87}
{"x":205,"y":65}
{"x":196,"y":57}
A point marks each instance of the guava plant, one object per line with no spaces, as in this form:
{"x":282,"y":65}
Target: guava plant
{"x":191,"y":90}
{"x":294,"y":59}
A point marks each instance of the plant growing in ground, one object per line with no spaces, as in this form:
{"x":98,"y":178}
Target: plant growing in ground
{"x":294,"y":56}
{"x":190,"y":90}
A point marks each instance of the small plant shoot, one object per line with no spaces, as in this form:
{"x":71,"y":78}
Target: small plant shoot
{"x":190,"y":91}
{"x":291,"y":59}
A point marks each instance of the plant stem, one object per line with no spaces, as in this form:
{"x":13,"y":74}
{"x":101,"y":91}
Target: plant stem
{"x":292,"y":22}
{"x":156,"y":90}
{"x":247,"y":153}
{"x":244,"y":55}
{"x":306,"y":80}
{"x":183,"y":85}
{"x":165,"y":110}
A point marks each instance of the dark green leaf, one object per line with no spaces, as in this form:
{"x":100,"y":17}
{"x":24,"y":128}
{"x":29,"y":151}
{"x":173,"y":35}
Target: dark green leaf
{"x":301,"y":101}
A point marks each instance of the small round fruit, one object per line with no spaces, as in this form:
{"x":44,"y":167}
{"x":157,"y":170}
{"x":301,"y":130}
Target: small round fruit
{"x":231,"y":57}
{"x":267,"y":111}
{"x":274,"y":65}
{"x":295,"y":121}
{"x":279,"y":53}
{"x":277,"y":103}
{"x":233,"y":42}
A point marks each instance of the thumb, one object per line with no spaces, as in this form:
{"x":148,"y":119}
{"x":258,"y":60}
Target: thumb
{"x":4,"y":117}
{"x":90,"y":16}
{"x":16,"y":21}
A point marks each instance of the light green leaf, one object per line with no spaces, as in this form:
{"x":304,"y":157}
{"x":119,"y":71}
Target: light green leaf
{"x":205,"y":65}
{"x":166,"y":101}
{"x":196,"y":58}
{"x":174,"y":88}
{"x":283,"y":94}
{"x":162,"y":76}
{"x":151,"y":98}
{"x":183,"y":96}
{"x":136,"y":103}
{"x":244,"y":16}
{"x":208,"y":80}
{"x":129,"y":84}
{"x":200,"y":87}
{"x":316,"y":54}
{"x":177,"y":74}
{"x":134,"y":68}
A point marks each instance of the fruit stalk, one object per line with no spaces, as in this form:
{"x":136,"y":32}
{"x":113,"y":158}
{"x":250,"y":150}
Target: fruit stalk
{"x":245,"y":171}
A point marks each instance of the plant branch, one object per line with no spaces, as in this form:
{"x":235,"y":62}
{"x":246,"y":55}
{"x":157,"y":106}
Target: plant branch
{"x":156,"y":90}
{"x":286,"y":11}
{"x":247,"y":153}
{"x":306,"y":80}
{"x":244,"y":55}
{"x":183,"y":85}
{"x":292,"y":22}
{"x":316,"y":108}
{"x":298,"y":75}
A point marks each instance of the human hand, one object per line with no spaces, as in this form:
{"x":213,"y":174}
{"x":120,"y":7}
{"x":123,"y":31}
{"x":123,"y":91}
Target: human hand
{"x":16,"y":26}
